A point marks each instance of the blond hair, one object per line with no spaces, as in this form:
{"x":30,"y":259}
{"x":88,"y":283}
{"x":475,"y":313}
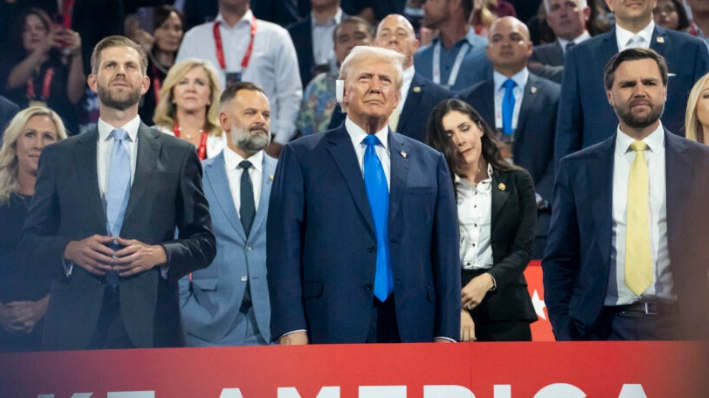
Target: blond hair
{"x":8,"y":158}
{"x":166,"y":111}
{"x":692,"y":127}
{"x":363,"y":53}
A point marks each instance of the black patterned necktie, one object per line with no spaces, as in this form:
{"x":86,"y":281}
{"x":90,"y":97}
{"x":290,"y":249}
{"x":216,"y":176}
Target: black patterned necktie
{"x":248,"y":207}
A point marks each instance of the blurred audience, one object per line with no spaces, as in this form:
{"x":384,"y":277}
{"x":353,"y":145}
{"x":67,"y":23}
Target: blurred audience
{"x":696,"y":121}
{"x":45,"y":68}
{"x":699,"y":25}
{"x":319,"y":102}
{"x":485,"y":12}
{"x":189,"y":106}
{"x":567,"y":18}
{"x":671,"y":14}
{"x":496,"y":216}
{"x":24,"y":290}
{"x":373,"y":10}
{"x":8,"y":110}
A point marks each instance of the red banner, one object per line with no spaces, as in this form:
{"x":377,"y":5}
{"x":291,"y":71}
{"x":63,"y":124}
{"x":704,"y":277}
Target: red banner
{"x":470,"y":370}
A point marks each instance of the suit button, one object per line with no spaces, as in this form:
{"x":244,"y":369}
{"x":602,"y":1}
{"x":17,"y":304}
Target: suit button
{"x":368,"y":286}
{"x":244,"y":278}
{"x":248,"y":248}
{"x":371,"y":249}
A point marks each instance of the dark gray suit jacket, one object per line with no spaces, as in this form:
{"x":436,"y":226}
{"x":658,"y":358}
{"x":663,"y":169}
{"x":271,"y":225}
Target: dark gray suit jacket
{"x":166,"y":195}
{"x":551,"y":56}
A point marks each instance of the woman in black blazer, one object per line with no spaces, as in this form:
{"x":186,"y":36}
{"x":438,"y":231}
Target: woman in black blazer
{"x":496,"y":213}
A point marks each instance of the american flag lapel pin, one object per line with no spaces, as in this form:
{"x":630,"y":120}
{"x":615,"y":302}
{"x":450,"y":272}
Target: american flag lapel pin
{"x":403,"y":154}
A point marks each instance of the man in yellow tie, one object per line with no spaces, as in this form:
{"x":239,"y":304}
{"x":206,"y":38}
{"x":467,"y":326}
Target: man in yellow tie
{"x":623,"y":261}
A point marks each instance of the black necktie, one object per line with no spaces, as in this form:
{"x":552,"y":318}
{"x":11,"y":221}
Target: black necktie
{"x":248,"y":207}
{"x":568,"y":47}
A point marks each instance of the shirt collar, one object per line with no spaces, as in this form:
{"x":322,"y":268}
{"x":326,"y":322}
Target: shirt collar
{"x":623,"y":35}
{"x":232,"y":159}
{"x":408,"y":75}
{"x":333,"y":21}
{"x":245,"y":19}
{"x":105,"y":129}
{"x":357,"y":134}
{"x":655,"y":141}
{"x":583,"y":36}
{"x":520,"y":78}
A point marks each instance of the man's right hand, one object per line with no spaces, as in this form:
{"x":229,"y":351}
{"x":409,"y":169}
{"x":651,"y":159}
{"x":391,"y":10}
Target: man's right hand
{"x":295,"y":338}
{"x":91,"y":254}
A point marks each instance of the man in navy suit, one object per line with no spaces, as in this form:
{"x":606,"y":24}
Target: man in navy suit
{"x":227,"y":303}
{"x":362,"y":229}
{"x":584,"y":115}
{"x":418,"y":95}
{"x":533,"y":117}
{"x":627,"y":256}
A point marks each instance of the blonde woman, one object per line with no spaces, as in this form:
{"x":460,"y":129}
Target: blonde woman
{"x":696,"y":120}
{"x":23,"y":290}
{"x":189,"y":106}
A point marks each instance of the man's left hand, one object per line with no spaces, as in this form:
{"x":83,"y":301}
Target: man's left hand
{"x":274,"y":149}
{"x":137,"y":257}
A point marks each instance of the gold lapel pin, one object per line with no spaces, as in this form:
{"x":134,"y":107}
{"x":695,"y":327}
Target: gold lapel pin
{"x":660,"y":39}
{"x":270,"y":177}
{"x":533,"y":90}
{"x":403,"y":154}
{"x":501,"y":186}
{"x":417,"y":89}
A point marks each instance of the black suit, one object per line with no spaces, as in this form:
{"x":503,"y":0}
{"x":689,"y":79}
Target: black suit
{"x":166,"y":194}
{"x":8,"y":110}
{"x":551,"y":56}
{"x":302,"y":35}
{"x":533,"y":139}
{"x":422,"y":97}
{"x":506,"y":311}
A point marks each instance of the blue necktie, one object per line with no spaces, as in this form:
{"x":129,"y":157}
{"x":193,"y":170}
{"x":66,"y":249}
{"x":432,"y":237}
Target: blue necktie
{"x":508,"y":106}
{"x":118,"y":191}
{"x":378,"y":196}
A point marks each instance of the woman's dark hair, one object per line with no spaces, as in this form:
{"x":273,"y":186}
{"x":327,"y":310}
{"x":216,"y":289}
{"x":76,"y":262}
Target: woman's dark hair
{"x":19,"y":28}
{"x":162,"y":12}
{"x":682,"y":18}
{"x":438,"y":139}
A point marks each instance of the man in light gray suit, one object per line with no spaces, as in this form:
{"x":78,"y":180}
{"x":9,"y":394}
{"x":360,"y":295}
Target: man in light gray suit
{"x":228,"y":303}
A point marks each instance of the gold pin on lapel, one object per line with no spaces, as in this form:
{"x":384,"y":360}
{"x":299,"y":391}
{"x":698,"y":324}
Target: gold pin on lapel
{"x":660,"y":39}
{"x":270,"y":177}
{"x":417,"y":89}
{"x":501,"y":186}
{"x":403,"y":154}
{"x":533,"y":90}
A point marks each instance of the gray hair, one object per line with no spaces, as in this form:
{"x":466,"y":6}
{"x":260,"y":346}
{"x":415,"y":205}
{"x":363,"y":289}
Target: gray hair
{"x":361,"y":53}
{"x":582,"y":3}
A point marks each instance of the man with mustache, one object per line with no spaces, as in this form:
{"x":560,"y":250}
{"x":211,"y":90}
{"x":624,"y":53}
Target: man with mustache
{"x":228,"y":303}
{"x":627,"y":250}
{"x":362,"y":230}
{"x":108,"y":204}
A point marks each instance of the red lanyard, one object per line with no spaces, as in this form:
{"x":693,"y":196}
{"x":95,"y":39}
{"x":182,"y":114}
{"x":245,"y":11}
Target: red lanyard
{"x":157,"y":84}
{"x":45,"y":86}
{"x":67,"y":11}
{"x":202,"y":149}
{"x":220,"y":47}
{"x":692,"y":29}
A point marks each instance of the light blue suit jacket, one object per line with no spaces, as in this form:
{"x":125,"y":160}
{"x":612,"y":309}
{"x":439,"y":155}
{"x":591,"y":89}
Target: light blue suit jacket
{"x":210,"y":302}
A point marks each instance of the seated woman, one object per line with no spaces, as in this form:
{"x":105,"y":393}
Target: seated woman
{"x":189,"y":106}
{"x":24,"y":292}
{"x":696,"y":119}
{"x":496,"y":215}
{"x":46,"y":67}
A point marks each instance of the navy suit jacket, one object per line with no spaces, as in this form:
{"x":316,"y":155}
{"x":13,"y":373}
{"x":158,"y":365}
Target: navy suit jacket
{"x":534,"y":137}
{"x":422,"y":97}
{"x":551,"y":56}
{"x":302,"y":35}
{"x":577,"y":261}
{"x":211,"y":298}
{"x":586,"y":118}
{"x":321,"y":244}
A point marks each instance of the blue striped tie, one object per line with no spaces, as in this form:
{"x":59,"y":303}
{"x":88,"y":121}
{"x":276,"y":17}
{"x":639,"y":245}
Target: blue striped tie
{"x":118,"y":191}
{"x":378,"y":196}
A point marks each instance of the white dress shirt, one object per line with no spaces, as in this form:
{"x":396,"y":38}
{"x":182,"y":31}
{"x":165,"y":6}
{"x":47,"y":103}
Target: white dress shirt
{"x":582,"y":37}
{"x":323,"y":45}
{"x":273,"y":64}
{"x":357,"y":135}
{"x":215,"y":143}
{"x":661,"y":287}
{"x":104,"y":147}
{"x":234,"y":172}
{"x":499,"y":79}
{"x":475,"y":222}
{"x":407,"y":77}
{"x":623,"y":37}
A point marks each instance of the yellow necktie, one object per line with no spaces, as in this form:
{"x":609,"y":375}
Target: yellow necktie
{"x":394,"y":118}
{"x":638,"y":262}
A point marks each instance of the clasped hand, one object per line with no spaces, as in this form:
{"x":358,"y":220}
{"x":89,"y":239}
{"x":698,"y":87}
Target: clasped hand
{"x":94,"y":255}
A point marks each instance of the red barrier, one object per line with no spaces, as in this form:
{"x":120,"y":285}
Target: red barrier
{"x":480,"y":370}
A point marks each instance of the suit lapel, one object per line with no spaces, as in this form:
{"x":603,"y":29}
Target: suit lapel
{"x":609,"y":48}
{"x":599,"y":173}
{"x":678,"y":177}
{"x":413,"y":101}
{"x":528,"y":99}
{"x":149,"y":145}
{"x":500,"y":192}
{"x":398,"y":154}
{"x":267,"y":171}
{"x":86,"y":166}
{"x":345,"y":158}
{"x":218,"y":182}
{"x":659,"y":40}
{"x":487,"y":107}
